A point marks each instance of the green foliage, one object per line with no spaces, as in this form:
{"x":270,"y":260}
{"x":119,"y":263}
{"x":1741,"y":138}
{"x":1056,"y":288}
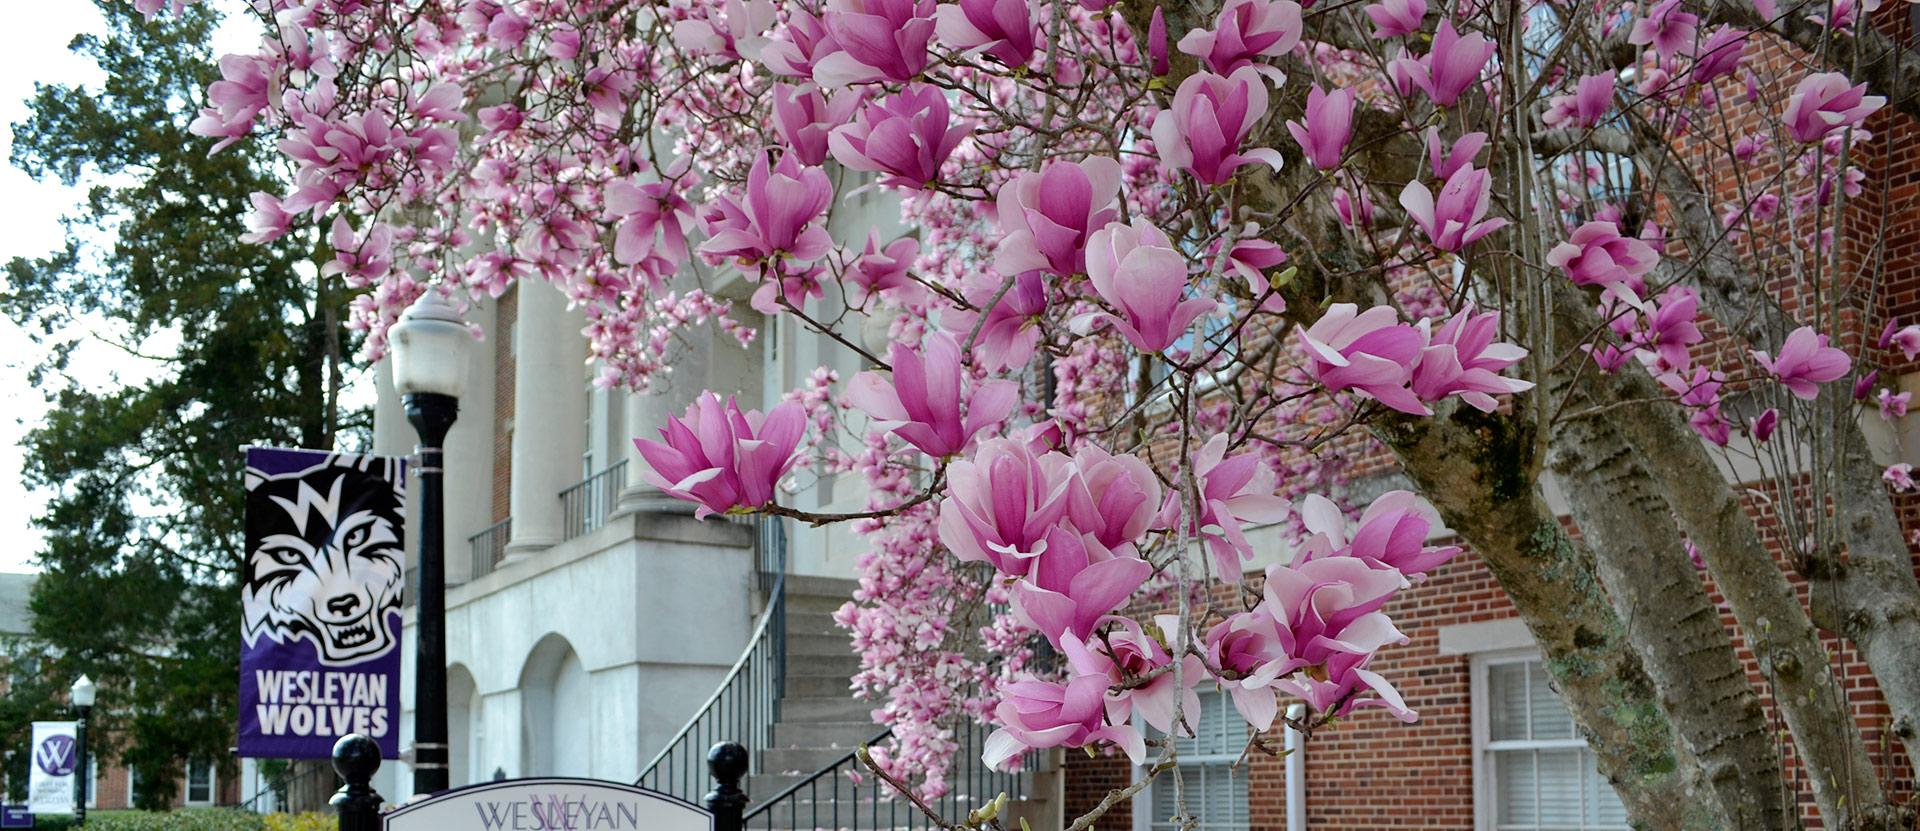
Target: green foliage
{"x":191,"y":819}
{"x":144,"y":528}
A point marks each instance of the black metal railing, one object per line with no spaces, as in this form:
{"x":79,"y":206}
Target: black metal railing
{"x":489,"y":547}
{"x":747,"y":704}
{"x":847,"y":797}
{"x":769,"y":552}
{"x":588,"y":504}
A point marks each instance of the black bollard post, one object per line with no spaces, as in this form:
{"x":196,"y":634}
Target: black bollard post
{"x":727,"y":761}
{"x":356,"y":758}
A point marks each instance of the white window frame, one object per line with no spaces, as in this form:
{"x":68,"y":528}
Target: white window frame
{"x":213,"y":786}
{"x":1485,"y":787}
{"x":1143,"y":801}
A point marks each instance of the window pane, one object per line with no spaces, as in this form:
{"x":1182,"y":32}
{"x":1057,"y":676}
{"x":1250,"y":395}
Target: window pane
{"x":1507,"y":701}
{"x":1603,"y":805}
{"x":1561,"y":788}
{"x":1513,"y":769}
{"x":1550,"y":718}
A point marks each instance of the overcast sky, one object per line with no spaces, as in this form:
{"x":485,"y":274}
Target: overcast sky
{"x":33,"y":49}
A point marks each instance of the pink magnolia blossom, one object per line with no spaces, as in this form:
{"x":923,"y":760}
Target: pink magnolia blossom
{"x":777,"y":215}
{"x":651,"y":215}
{"x":1461,"y":358}
{"x":1591,"y":98}
{"x":1327,"y":128}
{"x":1002,"y":29}
{"x":1900,"y":476}
{"x":1250,"y":648}
{"x":267,"y":221}
{"x":1047,"y":216}
{"x":1136,"y":269}
{"x":880,"y":40}
{"x":1824,"y":102}
{"x":1001,"y":503}
{"x":1863,"y":386}
{"x":923,"y":401}
{"x":237,"y":98}
{"x":1667,"y":28}
{"x":1328,"y":612}
{"x":1763,"y":425}
{"x":1353,"y":204}
{"x":1607,"y":357}
{"x":1711,"y":425}
{"x":1245,"y":30}
{"x":1597,"y":255}
{"x":907,"y":137}
{"x":361,"y":260}
{"x":1074,"y":582}
{"x":1445,"y":160}
{"x":1720,"y":54}
{"x":1157,"y":44}
{"x":1126,"y":651}
{"x":882,"y":272}
{"x":1391,"y":533}
{"x":793,"y":50}
{"x":1010,"y":332}
{"x":1670,"y":331}
{"x":1113,"y":499}
{"x":1906,"y":339}
{"x":1370,"y":352}
{"x":1212,"y":116}
{"x":803,"y":116}
{"x":721,"y":458}
{"x":1805,"y":362}
{"x":738,"y":36}
{"x":1452,"y":65}
{"x":1251,"y":258}
{"x":1893,"y":405}
{"x":1233,"y":490}
{"x":1035,"y":714}
{"x":1394,"y":18}
{"x":1458,"y":217}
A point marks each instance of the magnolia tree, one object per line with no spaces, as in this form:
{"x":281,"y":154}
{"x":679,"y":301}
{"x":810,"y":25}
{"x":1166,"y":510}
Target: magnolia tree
{"x":1169,"y":274}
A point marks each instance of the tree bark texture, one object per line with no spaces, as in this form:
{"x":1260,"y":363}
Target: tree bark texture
{"x":1479,"y":472}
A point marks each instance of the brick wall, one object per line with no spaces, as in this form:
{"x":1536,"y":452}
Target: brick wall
{"x":1369,"y":771}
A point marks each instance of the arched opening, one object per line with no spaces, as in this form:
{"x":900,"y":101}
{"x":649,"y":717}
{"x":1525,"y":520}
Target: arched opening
{"x":463,"y":705}
{"x":556,"y":711}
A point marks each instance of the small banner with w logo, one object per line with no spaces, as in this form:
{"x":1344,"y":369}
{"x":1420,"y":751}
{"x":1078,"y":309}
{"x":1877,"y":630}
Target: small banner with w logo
{"x":50,"y":780}
{"x":320,"y":656}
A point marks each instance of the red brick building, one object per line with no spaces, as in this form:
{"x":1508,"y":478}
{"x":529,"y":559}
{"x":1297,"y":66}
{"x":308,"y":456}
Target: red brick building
{"x":1494,"y":748}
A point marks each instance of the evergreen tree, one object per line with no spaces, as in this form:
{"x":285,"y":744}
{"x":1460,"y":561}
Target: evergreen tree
{"x":144,"y":527}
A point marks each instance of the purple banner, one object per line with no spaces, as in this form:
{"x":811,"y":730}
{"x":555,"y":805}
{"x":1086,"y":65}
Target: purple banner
{"x":320,"y":648}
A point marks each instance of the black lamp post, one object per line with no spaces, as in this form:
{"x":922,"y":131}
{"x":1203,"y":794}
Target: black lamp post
{"x":429,"y":367}
{"x":82,"y":697}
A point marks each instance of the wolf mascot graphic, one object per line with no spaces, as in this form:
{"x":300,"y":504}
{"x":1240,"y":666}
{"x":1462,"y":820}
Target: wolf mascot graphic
{"x":324,"y":563}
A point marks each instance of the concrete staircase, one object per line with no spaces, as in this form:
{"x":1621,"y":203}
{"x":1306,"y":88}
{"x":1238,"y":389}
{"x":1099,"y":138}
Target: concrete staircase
{"x":821,"y":722}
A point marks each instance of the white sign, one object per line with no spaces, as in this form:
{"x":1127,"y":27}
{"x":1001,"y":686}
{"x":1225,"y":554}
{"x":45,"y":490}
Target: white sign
{"x":50,"y":779}
{"x":551,"y":804}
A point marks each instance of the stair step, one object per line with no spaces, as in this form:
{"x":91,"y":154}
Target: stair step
{"x":802,"y":759}
{"x":845,"y":735}
{"x":826,"y":685}
{"x":841,"y":665}
{"x":830,"y":587}
{"x":817,"y":604}
{"x":825,"y":708}
{"x":833,"y":645}
{"x":813,"y":623}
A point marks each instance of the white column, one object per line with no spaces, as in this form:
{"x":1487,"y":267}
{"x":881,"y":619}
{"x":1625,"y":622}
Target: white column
{"x":549,"y":414}
{"x":469,"y":454}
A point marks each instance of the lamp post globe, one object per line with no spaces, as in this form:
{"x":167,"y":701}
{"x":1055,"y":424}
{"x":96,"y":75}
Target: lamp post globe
{"x":430,"y":344}
{"x":81,"y":695}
